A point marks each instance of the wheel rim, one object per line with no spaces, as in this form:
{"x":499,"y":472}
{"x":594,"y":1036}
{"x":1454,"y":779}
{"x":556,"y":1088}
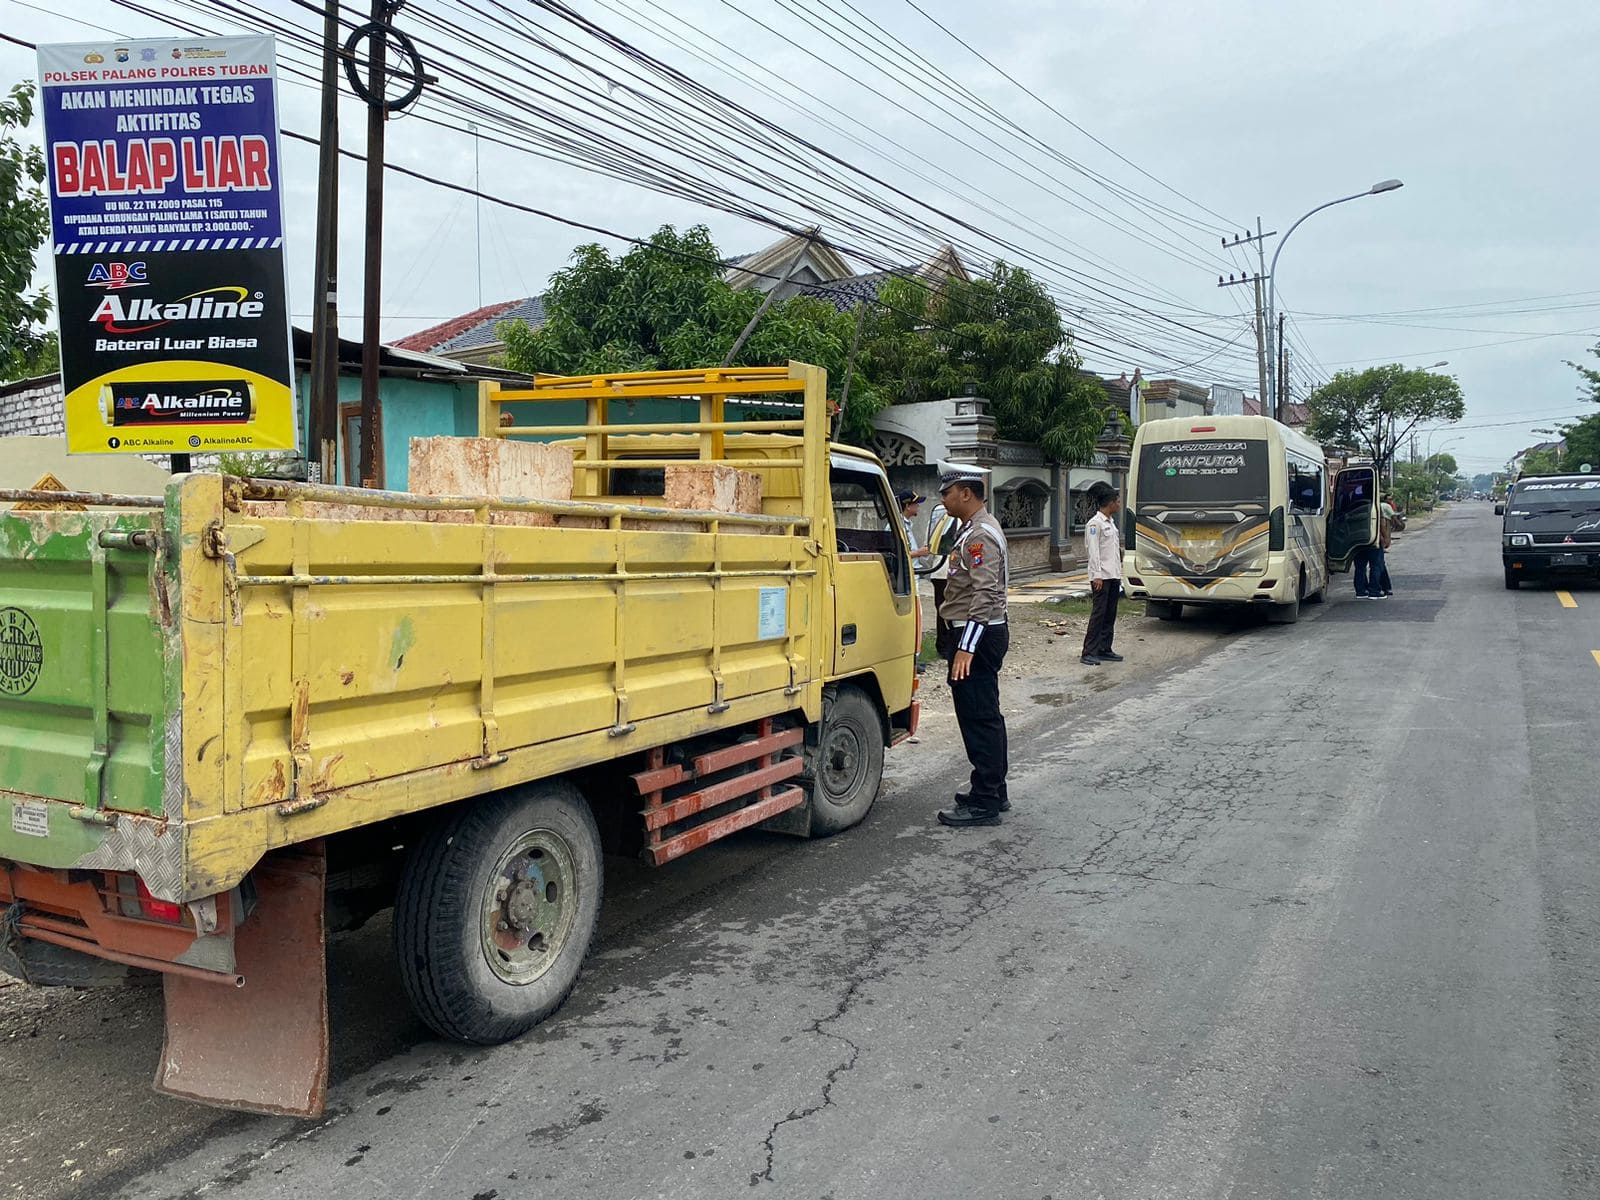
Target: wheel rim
{"x":841,"y":763}
{"x":530,"y":904}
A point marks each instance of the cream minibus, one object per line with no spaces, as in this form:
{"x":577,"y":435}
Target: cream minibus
{"x":1239,"y":510}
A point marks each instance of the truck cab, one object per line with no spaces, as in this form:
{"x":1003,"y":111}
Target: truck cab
{"x":1551,"y":529}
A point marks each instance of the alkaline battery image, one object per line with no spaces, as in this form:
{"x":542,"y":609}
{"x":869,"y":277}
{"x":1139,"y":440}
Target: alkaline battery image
{"x":186,"y":402}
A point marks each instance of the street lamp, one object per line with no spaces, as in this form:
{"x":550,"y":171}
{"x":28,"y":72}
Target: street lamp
{"x":1387,"y":185}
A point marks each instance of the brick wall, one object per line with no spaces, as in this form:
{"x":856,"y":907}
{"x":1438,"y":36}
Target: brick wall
{"x":32,"y":407}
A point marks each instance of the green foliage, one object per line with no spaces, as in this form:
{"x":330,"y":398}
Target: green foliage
{"x":1590,"y":388}
{"x":665,"y":306}
{"x":1583,"y":443}
{"x":24,"y":226}
{"x":1374,"y":410}
{"x":1542,"y":462}
{"x":1000,"y":333}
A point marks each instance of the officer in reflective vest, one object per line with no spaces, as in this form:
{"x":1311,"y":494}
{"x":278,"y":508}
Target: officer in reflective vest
{"x":975,"y":610}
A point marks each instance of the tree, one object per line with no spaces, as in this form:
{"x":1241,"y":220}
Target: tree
{"x":1000,"y":334}
{"x":1590,"y":388}
{"x":1372,"y":411}
{"x":1544,"y":461}
{"x":665,"y":306}
{"x":1583,"y":442}
{"x":24,"y":226}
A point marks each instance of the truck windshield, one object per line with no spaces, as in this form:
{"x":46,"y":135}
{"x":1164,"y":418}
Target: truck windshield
{"x":1541,"y":495}
{"x":1203,"y":472}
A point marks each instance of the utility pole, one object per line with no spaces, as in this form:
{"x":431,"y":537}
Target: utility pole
{"x":1258,"y":239}
{"x":477,"y":209}
{"x":323,"y":435}
{"x":374,"y":89}
{"x":1283,"y":374}
{"x":372,"y":278}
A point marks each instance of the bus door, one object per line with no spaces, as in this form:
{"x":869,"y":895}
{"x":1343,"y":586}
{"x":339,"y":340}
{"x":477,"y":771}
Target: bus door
{"x":1353,"y":517}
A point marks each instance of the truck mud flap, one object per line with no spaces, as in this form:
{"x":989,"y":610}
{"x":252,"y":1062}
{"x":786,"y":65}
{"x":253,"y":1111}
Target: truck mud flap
{"x":262,"y":1046}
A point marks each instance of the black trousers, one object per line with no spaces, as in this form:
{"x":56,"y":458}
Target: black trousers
{"x":983,"y":726}
{"x":942,"y":640}
{"x":1102,"y":618}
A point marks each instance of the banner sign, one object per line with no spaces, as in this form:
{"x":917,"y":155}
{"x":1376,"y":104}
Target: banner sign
{"x":166,"y":218}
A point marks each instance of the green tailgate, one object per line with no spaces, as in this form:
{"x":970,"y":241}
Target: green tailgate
{"x":83,"y":676}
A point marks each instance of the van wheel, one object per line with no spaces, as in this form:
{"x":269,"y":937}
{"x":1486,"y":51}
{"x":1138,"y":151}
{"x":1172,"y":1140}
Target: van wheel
{"x":1512,"y":582}
{"x":844,"y":764}
{"x":1284,"y":614}
{"x":1163,"y":610}
{"x":497,"y":906}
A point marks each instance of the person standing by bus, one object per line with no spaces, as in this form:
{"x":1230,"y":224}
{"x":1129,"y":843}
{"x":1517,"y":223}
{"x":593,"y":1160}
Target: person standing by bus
{"x":1103,"y":542}
{"x":942,"y":530}
{"x":975,"y":607}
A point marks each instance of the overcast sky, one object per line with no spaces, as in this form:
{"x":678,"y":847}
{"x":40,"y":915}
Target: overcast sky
{"x":1486,"y":258}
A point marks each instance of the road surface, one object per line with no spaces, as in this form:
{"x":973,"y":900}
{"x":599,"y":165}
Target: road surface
{"x":1314,"y":915}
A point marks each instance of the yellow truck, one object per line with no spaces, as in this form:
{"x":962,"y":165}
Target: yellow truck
{"x":245,"y":713}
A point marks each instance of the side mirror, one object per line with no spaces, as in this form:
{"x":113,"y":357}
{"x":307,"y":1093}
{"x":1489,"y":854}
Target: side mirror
{"x":1499,"y":510}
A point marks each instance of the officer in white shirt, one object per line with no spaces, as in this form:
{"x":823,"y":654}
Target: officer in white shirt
{"x":1103,"y":542}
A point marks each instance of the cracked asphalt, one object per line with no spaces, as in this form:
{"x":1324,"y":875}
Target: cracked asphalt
{"x":1314,"y":915}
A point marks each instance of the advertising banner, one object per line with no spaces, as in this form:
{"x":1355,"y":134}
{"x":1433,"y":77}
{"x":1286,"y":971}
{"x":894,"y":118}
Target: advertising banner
{"x":167,"y":225}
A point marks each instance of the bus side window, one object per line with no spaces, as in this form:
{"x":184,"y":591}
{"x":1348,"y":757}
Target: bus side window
{"x":1306,"y":487}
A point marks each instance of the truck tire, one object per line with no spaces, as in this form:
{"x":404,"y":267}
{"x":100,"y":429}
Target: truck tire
{"x":844,"y":769}
{"x":1513,"y":582}
{"x":1163,"y":610}
{"x":496,"y":909}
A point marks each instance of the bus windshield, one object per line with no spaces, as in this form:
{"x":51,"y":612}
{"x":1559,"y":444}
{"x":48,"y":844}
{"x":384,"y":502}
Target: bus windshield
{"x":1204,"y":472}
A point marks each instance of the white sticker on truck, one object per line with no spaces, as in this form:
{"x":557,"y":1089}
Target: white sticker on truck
{"x":30,"y":818}
{"x":773,"y":620}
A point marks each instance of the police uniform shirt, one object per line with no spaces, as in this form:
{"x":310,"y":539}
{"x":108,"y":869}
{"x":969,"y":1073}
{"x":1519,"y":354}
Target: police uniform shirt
{"x":1102,"y":541}
{"x":975,"y":596}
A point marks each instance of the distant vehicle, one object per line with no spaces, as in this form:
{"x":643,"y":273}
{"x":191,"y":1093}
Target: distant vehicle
{"x":1551,"y":529}
{"x":1236,"y":510}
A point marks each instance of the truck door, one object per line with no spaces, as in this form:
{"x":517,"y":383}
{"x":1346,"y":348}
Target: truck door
{"x":1353,"y":516}
{"x":874,"y":610}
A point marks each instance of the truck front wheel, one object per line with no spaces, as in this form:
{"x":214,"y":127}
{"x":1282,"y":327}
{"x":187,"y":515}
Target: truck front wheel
{"x":496,"y":910}
{"x":844,"y":768}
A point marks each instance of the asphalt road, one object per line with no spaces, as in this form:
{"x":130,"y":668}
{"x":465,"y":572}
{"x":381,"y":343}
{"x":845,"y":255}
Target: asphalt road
{"x":1314,"y":915}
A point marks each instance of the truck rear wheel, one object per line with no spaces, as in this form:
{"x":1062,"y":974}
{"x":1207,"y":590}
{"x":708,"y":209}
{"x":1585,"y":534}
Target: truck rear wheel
{"x":497,"y":906}
{"x":844,"y":769}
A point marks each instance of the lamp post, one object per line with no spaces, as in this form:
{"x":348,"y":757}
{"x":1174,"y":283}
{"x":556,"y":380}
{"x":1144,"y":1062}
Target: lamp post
{"x":1387,"y":185}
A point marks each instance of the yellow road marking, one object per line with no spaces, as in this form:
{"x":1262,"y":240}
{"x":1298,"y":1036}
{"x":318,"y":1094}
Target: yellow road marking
{"x":1596,"y":654}
{"x":1566,"y":600}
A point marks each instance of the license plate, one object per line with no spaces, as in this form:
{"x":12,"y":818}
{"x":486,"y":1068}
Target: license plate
{"x":1569,"y":560}
{"x":30,"y":819}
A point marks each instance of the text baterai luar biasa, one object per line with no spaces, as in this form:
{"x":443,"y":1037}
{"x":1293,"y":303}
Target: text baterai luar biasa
{"x":167,"y":227}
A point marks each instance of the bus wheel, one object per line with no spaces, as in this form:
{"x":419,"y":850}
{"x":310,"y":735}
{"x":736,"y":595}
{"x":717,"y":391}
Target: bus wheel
{"x":1284,"y":614}
{"x":844,"y":761}
{"x":497,"y":905}
{"x":1163,"y":610}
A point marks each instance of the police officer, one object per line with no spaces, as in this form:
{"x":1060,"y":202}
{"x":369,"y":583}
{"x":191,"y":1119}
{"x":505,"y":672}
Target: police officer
{"x":975,"y":609}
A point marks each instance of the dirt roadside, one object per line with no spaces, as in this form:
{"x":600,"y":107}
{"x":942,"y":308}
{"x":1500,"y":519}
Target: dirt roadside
{"x":80,"y":1063}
